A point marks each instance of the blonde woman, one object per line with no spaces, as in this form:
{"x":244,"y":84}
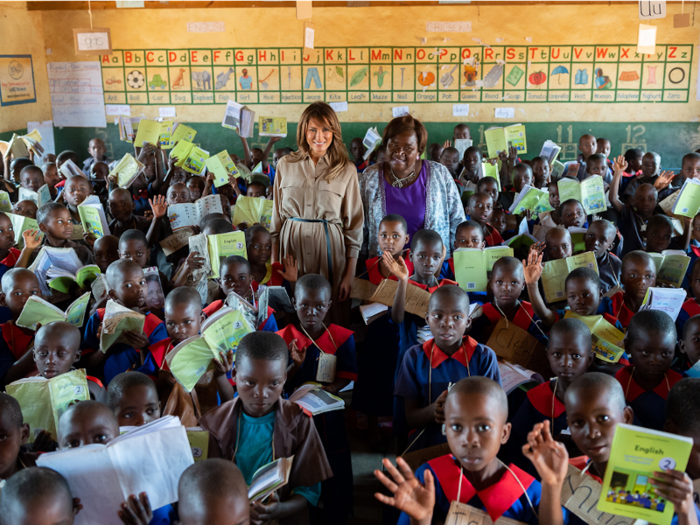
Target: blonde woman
{"x":317,"y":215}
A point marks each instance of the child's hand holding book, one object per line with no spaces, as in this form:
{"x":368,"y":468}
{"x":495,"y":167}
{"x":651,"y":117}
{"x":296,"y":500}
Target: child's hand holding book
{"x":676,"y":487}
{"x":261,"y":513}
{"x":136,"y":510}
{"x":224,"y":364}
{"x":137,"y":340}
{"x":409,"y":494}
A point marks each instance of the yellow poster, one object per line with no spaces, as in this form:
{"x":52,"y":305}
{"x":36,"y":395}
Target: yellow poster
{"x":16,"y":80}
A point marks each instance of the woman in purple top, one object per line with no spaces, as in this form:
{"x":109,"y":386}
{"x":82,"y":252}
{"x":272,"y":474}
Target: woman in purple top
{"x":421,"y":191}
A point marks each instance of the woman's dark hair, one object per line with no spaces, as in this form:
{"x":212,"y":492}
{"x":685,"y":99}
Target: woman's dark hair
{"x":406,"y":123}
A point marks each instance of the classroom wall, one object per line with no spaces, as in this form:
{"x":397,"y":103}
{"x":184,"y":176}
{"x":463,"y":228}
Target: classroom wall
{"x":22,"y":33}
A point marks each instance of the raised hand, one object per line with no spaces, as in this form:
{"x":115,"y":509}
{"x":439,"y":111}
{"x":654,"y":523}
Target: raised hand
{"x":397,"y":267}
{"x":171,"y":163}
{"x":290,"y":270}
{"x":193,"y":262}
{"x":298,"y":356}
{"x":532,"y":267}
{"x":447,"y":144}
{"x":440,"y":408}
{"x":409,"y":495}
{"x":32,"y":239}
{"x":620,"y":164}
{"x":159,"y":205}
{"x":136,"y":510}
{"x":549,"y":457}
{"x":665,"y":178}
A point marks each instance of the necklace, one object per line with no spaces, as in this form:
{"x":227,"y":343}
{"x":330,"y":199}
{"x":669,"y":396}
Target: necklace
{"x":400,"y":183}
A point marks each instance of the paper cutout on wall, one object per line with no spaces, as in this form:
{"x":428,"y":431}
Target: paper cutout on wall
{"x":581,"y":78}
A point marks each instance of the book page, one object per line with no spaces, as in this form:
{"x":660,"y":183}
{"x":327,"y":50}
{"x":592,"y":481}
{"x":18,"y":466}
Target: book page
{"x":669,"y":300}
{"x":66,"y":390}
{"x":207,"y":205}
{"x":688,"y":202}
{"x":75,"y":314}
{"x":189,"y":361}
{"x":496,"y":141}
{"x":593,"y":195}
{"x":199,"y":244}
{"x":226,"y":331}
{"x":569,"y":189}
{"x":553,"y":280}
{"x":183,"y":215}
{"x":582,"y":260}
{"x":672,"y":270}
{"x":470,"y":269}
{"x":38,"y":311}
{"x":35,"y":401}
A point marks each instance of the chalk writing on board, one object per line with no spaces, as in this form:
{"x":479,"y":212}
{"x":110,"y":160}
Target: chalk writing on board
{"x":77,"y":98}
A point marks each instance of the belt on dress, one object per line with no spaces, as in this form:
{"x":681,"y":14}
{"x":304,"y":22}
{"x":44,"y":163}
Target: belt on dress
{"x":328,"y":243}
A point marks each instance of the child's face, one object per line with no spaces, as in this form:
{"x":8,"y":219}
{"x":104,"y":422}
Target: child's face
{"x":499,"y":220}
{"x":196,"y":186}
{"x":461,"y":132}
{"x":691,"y":169}
{"x":121,"y":205}
{"x":135,"y":250}
{"x":259,"y":383}
{"x":149,"y":172}
{"x":131,"y":290}
{"x":96,"y":149}
{"x":448,"y":319}
{"x":637,"y":276}
{"x":554,"y":196}
{"x":392,"y":237}
{"x":476,"y":428}
{"x":51,"y":176}
{"x":480,"y":208}
{"x":690,"y":344}
{"x":25,"y":208}
{"x":356,"y":148}
{"x":658,"y":238}
{"x":582,"y":296}
{"x":255,"y":190}
{"x":7,"y":233}
{"x":178,"y":194}
{"x":558,"y":245}
{"x":471,"y":162}
{"x":76,"y":191}
{"x":426,"y":259}
{"x":596,"y":167}
{"x":435,"y":152}
{"x":106,"y":252}
{"x":55,"y":354}
{"x":587,"y":145}
{"x":276,"y":157}
{"x":260,"y":248}
{"x":469,"y":237}
{"x":569,"y":355}
{"x":31,"y":180}
{"x":137,"y":406}
{"x":592,"y":418}
{"x":651,"y":354}
{"x":599,"y":239}
{"x":257,"y":156}
{"x":490,"y":186}
{"x":100,"y":171}
{"x":603,"y":147}
{"x":573,"y":215}
{"x":650,"y":165}
{"x":521,"y":178}
{"x":88,"y":427}
{"x":179,"y":176}
{"x":507,"y":285}
{"x":645,"y":200}
{"x":540,"y":170}
{"x":450,"y":159}
{"x":58,"y":224}
{"x":226,"y":190}
{"x":696,"y":228}
{"x":23,"y":286}
{"x":12,"y":438}
{"x":154,"y":298}
{"x":236,"y":278}
{"x":183,"y":320}
{"x":312,"y":307}
{"x":635,"y":163}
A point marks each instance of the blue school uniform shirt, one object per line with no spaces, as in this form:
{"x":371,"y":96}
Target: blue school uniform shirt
{"x":141,"y":204}
{"x":426,"y":372}
{"x":694,"y":253}
{"x":164,"y":516}
{"x":122,"y":356}
{"x":689,"y":309}
{"x":504,"y":498}
{"x":649,"y":406}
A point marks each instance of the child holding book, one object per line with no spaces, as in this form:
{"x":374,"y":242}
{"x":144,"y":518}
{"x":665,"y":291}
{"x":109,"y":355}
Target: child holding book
{"x":195,"y":184}
{"x":177,"y":193}
{"x":650,"y":340}
{"x":75,"y":191}
{"x":127,"y":286}
{"x":310,"y":345}
{"x":13,"y":455}
{"x":51,"y":177}
{"x":637,"y":276}
{"x":479,"y":208}
{"x":25,"y":208}
{"x":599,"y":240}
{"x":468,"y":234}
{"x":476,"y":414}
{"x":133,"y":398}
{"x":37,"y":495}
{"x":258,"y":427}
{"x":428,"y":369}
{"x":522,"y":176}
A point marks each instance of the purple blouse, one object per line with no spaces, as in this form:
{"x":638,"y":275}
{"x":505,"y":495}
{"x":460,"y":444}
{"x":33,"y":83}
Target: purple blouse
{"x":408,"y":202}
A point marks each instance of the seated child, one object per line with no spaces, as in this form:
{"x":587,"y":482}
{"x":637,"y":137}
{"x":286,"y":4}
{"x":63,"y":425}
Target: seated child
{"x":569,"y":355}
{"x":127,"y":286}
{"x":9,"y":255}
{"x":689,"y":347}
{"x":75,"y":191}
{"x":121,"y":207}
{"x":37,"y":496}
{"x":650,"y":340}
{"x":195,"y":184}
{"x":15,"y":434}
{"x":25,"y":209}
{"x":428,"y":369}
{"x":270,"y":428}
{"x":599,"y":240}
{"x":450,"y":159}
{"x":96,"y":149}
{"x":31,"y":178}
{"x":309,"y":345}
{"x":133,"y":398}
{"x":637,"y":276}
{"x":573,"y":214}
{"x":479,"y":209}
{"x":632,"y":222}
{"x":683,"y":418}
{"x":106,"y":250}
{"x":522,"y":176}
{"x":472,"y":473}
{"x":540,"y":172}
{"x":213,"y":491}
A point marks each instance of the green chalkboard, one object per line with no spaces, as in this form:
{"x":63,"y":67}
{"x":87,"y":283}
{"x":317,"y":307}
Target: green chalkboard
{"x":671,"y":140}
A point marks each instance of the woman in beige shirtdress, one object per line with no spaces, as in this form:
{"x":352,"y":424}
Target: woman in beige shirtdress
{"x":317,"y":215}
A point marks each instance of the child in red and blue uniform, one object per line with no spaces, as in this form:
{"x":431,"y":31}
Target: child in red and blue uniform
{"x":259,"y":247}
{"x":313,"y":347}
{"x":503,"y":491}
{"x":479,"y":208}
{"x":127,"y":286}
{"x":8,"y":254}
{"x":651,"y":341}
{"x":691,"y":307}
{"x":429,"y":368}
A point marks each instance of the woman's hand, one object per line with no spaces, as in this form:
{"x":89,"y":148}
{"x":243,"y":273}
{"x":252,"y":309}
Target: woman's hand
{"x":409,"y":495}
{"x":345,"y":288}
{"x":397,"y":268}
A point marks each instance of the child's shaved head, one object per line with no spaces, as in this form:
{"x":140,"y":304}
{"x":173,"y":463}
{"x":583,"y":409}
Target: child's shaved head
{"x":313,"y":281}
{"x":9,"y":406}
{"x":123,"y":382}
{"x":648,"y":321}
{"x":570,"y":328}
{"x":13,"y":275}
{"x":184,"y":295}
{"x":455,"y":292}
{"x":36,"y":495}
{"x":508,"y":263}
{"x":481,"y":386}
{"x":213,"y":491}
{"x":596,"y":383}
{"x":117,"y":269}
{"x":265,"y":346}
{"x":59,"y":330}
{"x":87,"y":423}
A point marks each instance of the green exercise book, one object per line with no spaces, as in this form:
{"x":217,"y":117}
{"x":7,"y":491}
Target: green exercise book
{"x":117,"y":320}
{"x":61,"y":279}
{"x":529,"y":198}
{"x":43,"y":401}
{"x":20,"y":224}
{"x":554,"y":274}
{"x":557,"y":170}
{"x":491,"y":170}
{"x":253,"y":210}
{"x":92,"y":217}
{"x":126,"y":170}
{"x":181,"y":151}
{"x":498,"y":139}
{"x":222,"y":332}
{"x":635,"y":455}
{"x":195,"y":161}
{"x":671,"y":266}
{"x":608,"y":341}
{"x":38,"y":311}
{"x":149,"y":131}
{"x":590,"y":193}
{"x":166,"y":132}
{"x":223,"y":245}
{"x":182,"y":132}
{"x":473,"y":266}
{"x":688,"y":201}
{"x":221,"y":166}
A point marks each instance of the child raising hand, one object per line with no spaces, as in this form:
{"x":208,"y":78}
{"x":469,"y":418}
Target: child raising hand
{"x":411,"y":497}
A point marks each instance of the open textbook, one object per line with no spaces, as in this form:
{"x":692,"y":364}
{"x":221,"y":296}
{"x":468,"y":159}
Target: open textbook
{"x":313,"y":398}
{"x":589,"y":192}
{"x":62,"y":280}
{"x":473,"y":266}
{"x":63,"y":258}
{"x":126,"y":170}
{"x":688,"y":200}
{"x":272,"y":127}
{"x":92,"y":217}
{"x":20,"y":223}
{"x":117,"y":320}
{"x":532,"y":199}
{"x":550,"y":151}
{"x":269,"y":478}
{"x":149,"y":459}
{"x":554,"y":274}
{"x":43,"y":401}
{"x":38,"y":311}
{"x":221,"y":166}
{"x":669,"y":300}
{"x":190,"y":214}
{"x":239,"y":118}
{"x":147,"y":132}
{"x":671,"y":266}
{"x":222,"y":332}
{"x":608,"y":341}
{"x":498,"y":139}
{"x":182,"y":132}
{"x":512,"y":376}
{"x":70,"y":169}
{"x":39,"y":198}
{"x":224,"y":245}
{"x":253,"y":210}
{"x":371,"y":141}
